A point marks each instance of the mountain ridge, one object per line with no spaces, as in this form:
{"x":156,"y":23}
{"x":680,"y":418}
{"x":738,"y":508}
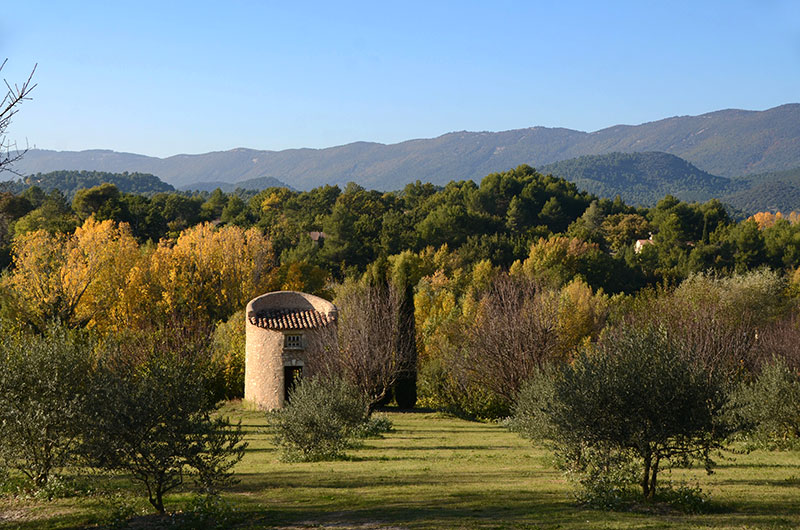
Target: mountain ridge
{"x":727,"y":143}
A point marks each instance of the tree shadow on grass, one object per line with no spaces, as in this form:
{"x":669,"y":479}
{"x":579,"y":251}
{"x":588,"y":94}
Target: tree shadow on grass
{"x":384,"y":458}
{"x":451,"y":448}
{"x":313,"y":478}
{"x":513,"y":510}
{"x":790,"y":482}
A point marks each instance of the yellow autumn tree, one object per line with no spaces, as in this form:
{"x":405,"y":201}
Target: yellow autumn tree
{"x":556,"y":261}
{"x":212,"y":272}
{"x":582,"y":315}
{"x":136,"y":304}
{"x":435,"y":312}
{"x":765,"y":219}
{"x":768,"y":219}
{"x":73,"y":278}
{"x":440,"y":332}
{"x":105,"y":253}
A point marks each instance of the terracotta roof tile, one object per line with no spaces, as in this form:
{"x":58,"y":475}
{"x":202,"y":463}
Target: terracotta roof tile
{"x":280,"y":319}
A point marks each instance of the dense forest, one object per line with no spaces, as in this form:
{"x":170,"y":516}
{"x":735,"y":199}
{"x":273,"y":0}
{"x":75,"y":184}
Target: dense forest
{"x":642,"y":178}
{"x":509,"y":217}
{"x":108,"y":260}
{"x":69,"y":182}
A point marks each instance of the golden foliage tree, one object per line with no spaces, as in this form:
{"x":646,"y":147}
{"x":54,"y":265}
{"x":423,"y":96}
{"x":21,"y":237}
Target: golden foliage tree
{"x":766,"y":219}
{"x":555,"y":261}
{"x":582,"y":315}
{"x":73,"y":278}
{"x":100,"y":277}
{"x":212,"y":272}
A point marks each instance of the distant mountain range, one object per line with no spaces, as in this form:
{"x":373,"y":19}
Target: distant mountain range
{"x":639,"y":178}
{"x":726,"y":143}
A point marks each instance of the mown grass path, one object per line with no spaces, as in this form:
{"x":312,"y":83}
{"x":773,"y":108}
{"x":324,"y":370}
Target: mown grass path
{"x":442,"y":473}
{"x":439,"y":472}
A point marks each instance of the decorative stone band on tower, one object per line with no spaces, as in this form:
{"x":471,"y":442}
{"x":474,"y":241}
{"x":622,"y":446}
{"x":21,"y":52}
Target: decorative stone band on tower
{"x":284,"y":330}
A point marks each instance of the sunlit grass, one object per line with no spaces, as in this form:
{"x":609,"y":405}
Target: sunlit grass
{"x":434,"y":471}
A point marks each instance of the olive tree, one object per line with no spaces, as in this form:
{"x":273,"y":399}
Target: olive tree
{"x":44,"y":387}
{"x":635,"y":398}
{"x":154,"y":417}
{"x":769,"y":406}
{"x":321,"y":420}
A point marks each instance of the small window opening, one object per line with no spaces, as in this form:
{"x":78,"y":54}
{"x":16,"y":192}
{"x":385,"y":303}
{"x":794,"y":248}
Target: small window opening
{"x":293,"y":342}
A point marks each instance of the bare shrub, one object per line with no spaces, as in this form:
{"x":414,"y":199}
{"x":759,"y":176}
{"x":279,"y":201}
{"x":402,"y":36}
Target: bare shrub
{"x":363,"y":347}
{"x":779,"y":340}
{"x":514,"y":334}
{"x":9,"y":106}
{"x":717,"y":320}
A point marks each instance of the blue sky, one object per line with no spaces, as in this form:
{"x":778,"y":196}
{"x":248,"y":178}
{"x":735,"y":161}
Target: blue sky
{"x":169,"y":77}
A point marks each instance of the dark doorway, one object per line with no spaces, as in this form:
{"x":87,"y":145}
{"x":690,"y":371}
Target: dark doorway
{"x":291,"y":374}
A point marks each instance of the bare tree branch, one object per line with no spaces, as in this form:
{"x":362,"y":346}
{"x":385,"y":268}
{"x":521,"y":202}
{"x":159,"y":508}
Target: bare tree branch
{"x":780,"y":340}
{"x":514,"y":334}
{"x":9,"y":106}
{"x":363,"y":346}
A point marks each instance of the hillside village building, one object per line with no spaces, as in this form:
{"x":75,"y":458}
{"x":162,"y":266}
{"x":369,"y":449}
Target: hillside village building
{"x":641,"y":243}
{"x":283,"y":330}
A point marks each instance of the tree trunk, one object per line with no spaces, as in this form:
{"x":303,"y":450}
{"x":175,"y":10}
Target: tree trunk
{"x":156,"y":496}
{"x":158,"y":502}
{"x":654,"y":476}
{"x":647,"y":457}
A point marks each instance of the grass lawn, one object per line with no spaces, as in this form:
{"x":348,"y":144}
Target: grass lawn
{"x":435,"y":472}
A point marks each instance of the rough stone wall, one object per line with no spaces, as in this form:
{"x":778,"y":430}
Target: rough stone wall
{"x":263,"y":386}
{"x":265,"y":356}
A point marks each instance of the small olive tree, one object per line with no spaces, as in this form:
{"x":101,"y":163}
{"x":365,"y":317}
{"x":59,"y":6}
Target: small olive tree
{"x":44,"y":387}
{"x":636,"y":398}
{"x":768,"y":408}
{"x":153,"y":417}
{"x":322,"y":419}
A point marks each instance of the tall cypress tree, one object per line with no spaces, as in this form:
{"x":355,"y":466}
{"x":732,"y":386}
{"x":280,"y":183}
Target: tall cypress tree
{"x":405,"y":390}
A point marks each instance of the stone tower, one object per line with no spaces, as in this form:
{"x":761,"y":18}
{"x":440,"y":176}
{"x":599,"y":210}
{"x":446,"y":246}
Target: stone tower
{"x":284,"y":330}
